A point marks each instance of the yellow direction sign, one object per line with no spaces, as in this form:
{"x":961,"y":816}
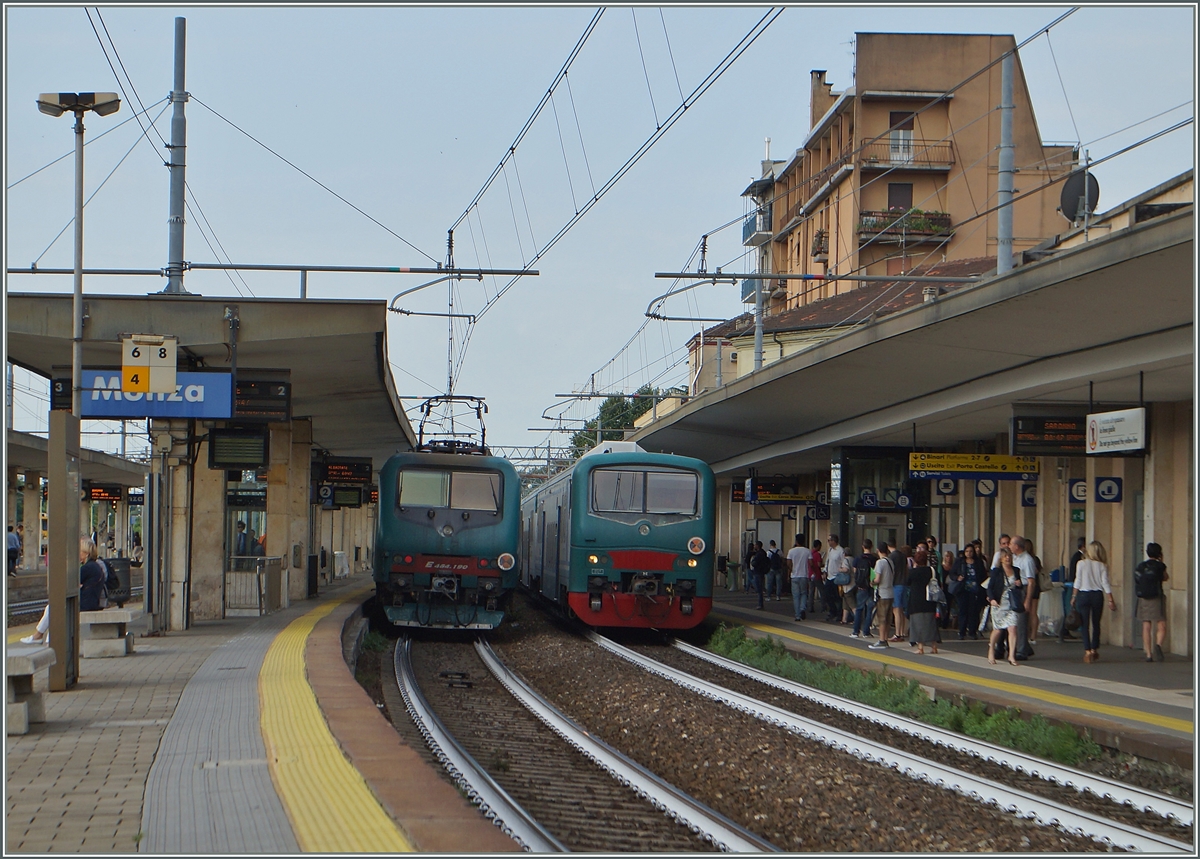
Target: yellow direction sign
{"x":148,"y":364}
{"x":968,"y":466}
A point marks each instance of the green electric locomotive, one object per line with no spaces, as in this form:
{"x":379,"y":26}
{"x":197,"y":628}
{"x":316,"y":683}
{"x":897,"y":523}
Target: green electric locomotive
{"x":625,"y":538}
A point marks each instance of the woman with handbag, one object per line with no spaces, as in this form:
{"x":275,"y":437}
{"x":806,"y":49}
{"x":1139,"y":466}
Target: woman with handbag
{"x":1006,"y":600}
{"x":944,"y":578}
{"x":922,"y":601}
{"x":967,"y":579}
{"x":1091,"y":584}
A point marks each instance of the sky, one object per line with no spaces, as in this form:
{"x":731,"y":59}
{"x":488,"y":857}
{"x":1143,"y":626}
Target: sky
{"x":406,"y":111}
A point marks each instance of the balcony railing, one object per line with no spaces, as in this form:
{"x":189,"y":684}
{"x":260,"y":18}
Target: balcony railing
{"x":896,"y":225}
{"x":900,"y":152}
{"x":756,"y":229}
{"x":748,"y":287}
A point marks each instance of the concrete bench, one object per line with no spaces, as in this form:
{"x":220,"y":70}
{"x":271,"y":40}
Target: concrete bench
{"x":27,"y":672}
{"x":106,"y":632}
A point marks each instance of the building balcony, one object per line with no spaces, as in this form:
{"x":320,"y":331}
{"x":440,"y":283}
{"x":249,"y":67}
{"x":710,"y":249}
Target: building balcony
{"x":756,"y":229}
{"x":906,"y":154}
{"x":909,"y":226}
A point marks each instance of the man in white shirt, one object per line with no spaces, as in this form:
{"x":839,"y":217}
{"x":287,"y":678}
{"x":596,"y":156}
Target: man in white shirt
{"x":1004,"y":543}
{"x":835,"y":562}
{"x":797,"y":561}
{"x":1023,"y":562}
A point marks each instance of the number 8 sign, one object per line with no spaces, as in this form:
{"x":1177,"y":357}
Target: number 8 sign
{"x":148,"y":364}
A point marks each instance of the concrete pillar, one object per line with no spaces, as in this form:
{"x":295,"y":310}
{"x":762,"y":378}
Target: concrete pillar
{"x":1008,"y":507}
{"x":1169,"y":469}
{"x":176,"y":552}
{"x":298,"y":489}
{"x":968,"y":516}
{"x":32,"y":519}
{"x":1052,"y":517}
{"x":1113,"y":525}
{"x":208,"y":540}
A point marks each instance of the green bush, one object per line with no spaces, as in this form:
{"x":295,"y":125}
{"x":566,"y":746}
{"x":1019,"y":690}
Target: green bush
{"x":1035,"y":736}
{"x":374,"y":642}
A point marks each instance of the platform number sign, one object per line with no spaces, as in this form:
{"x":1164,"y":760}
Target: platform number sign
{"x":148,"y":364}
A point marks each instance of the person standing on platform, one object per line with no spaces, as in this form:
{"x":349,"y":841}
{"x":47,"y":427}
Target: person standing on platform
{"x":798,"y":558}
{"x":760,"y":564}
{"x":922,"y":617}
{"x":774,"y":572}
{"x":1004,"y":580}
{"x":1148,"y":581}
{"x":1091,"y":584}
{"x":885,"y":591}
{"x":750,"y":550}
{"x":970,"y":574}
{"x":815,"y":566}
{"x":1025,"y":564}
{"x":864,"y":599}
{"x":898,"y":558}
{"x":835,"y":562}
{"x":1064,"y":634}
{"x":14,"y":550}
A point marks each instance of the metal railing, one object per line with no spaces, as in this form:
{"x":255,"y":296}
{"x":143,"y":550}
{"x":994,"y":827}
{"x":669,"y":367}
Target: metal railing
{"x":913,"y":222}
{"x":756,"y":228}
{"x":255,"y":584}
{"x":884,"y":152}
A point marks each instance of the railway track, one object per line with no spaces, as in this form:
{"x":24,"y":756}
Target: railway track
{"x":1061,"y":810}
{"x":541,"y":777}
{"x":16,"y":609}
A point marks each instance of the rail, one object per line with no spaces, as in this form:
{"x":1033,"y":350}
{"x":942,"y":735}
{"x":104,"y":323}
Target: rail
{"x":479,"y":787}
{"x":1106,"y":788}
{"x":1044,"y":811}
{"x":884,"y":153}
{"x":720,"y":830}
{"x":31,"y":606}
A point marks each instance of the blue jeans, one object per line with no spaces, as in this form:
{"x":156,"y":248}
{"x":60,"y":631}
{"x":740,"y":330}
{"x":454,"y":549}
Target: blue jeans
{"x":864,"y":609}
{"x":775,"y":583}
{"x":900,"y":598}
{"x":799,"y":596}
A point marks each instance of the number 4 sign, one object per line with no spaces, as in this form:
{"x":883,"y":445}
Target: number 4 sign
{"x":148,"y":364}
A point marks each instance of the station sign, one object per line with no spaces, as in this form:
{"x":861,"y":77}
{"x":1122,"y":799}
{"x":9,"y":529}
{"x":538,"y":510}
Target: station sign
{"x":776,"y":491}
{"x":106,"y":492}
{"x":262,"y":401}
{"x":818,"y":513}
{"x":1029,"y":495}
{"x":1078,"y":491}
{"x":947,"y":486}
{"x":1035,"y":435}
{"x":137,"y":498}
{"x":342,"y":469}
{"x":1109,"y":489}
{"x":986,"y":488}
{"x":196,"y":395}
{"x":242,"y":498}
{"x":333,"y":497}
{"x":1112,"y":432}
{"x":972,"y":466}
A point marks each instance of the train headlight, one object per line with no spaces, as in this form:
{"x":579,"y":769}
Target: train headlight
{"x":506,"y":561}
{"x":691,"y":562}
{"x":644,"y":529}
{"x":593,"y":559}
{"x":696,"y":546}
{"x":447,"y":530}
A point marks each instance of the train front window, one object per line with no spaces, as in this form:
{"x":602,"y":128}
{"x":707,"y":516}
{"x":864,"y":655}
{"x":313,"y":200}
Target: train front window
{"x":457,"y":490}
{"x":475,"y":490}
{"x":619,"y":493}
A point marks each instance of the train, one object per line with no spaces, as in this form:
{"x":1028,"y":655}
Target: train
{"x":447,"y":537}
{"x":624,"y":538}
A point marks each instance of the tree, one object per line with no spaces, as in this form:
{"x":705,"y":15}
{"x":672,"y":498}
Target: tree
{"x":617,"y":415}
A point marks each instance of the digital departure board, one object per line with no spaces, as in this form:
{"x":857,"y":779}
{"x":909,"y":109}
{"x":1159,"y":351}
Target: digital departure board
{"x":238,"y":448}
{"x":343,"y":469}
{"x":106,"y":492}
{"x":1048,"y":436}
{"x":262,"y":401}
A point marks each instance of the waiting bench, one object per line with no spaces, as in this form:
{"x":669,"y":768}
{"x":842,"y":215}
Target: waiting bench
{"x":105,"y":633}
{"x":27,"y":672}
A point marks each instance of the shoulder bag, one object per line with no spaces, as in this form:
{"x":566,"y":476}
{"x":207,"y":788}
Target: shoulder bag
{"x":1016,"y":599}
{"x":933,"y":591}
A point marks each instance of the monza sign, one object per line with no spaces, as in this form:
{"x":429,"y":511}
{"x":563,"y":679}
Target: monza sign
{"x":196,"y":395}
{"x":971,"y":466}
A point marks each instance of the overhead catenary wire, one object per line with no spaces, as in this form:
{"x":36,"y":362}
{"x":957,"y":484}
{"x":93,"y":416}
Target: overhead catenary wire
{"x":117,"y":54}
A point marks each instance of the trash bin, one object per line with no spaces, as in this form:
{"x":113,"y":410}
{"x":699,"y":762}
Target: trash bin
{"x":120,"y":567}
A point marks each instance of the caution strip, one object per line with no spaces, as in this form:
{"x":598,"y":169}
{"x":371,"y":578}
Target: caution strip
{"x":1068,"y":701}
{"x":331,"y":808}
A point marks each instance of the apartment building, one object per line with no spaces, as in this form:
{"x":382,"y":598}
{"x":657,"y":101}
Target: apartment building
{"x":900,"y":169}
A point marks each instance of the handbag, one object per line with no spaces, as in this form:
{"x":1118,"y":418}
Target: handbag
{"x":985,"y":622}
{"x":1016,"y":599}
{"x":933,"y":591}
{"x":1073,"y":620}
{"x":842,"y":579}
{"x":953,"y":585}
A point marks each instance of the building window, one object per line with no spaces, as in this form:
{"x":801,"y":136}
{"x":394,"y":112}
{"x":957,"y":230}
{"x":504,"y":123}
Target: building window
{"x":901,"y":124}
{"x":900,"y":196}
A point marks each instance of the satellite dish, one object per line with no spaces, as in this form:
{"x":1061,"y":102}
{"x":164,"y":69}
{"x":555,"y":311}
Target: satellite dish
{"x":1072,"y":199}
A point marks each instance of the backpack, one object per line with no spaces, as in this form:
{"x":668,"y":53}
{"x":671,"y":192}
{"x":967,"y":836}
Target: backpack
{"x":105,"y":586}
{"x":1147,"y":578}
{"x":776,"y":560}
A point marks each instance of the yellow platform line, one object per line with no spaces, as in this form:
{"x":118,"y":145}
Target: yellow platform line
{"x":1067,"y":701}
{"x":331,"y":808}
{"x":16,"y":633}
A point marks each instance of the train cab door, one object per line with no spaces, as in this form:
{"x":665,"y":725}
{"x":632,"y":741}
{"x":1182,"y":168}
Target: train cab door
{"x":556,"y":589}
{"x":541,"y":558}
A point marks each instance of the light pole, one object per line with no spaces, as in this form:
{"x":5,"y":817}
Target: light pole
{"x":78,"y":103}
{"x":62,"y":576}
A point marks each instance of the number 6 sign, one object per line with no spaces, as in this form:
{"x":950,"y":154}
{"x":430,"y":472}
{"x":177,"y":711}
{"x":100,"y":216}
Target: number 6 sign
{"x":148,"y":364}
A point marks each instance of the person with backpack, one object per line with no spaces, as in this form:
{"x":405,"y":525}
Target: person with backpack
{"x":1148,"y":580}
{"x":759,"y":566}
{"x":864,"y":599}
{"x":881,"y":578}
{"x":774,"y":572}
